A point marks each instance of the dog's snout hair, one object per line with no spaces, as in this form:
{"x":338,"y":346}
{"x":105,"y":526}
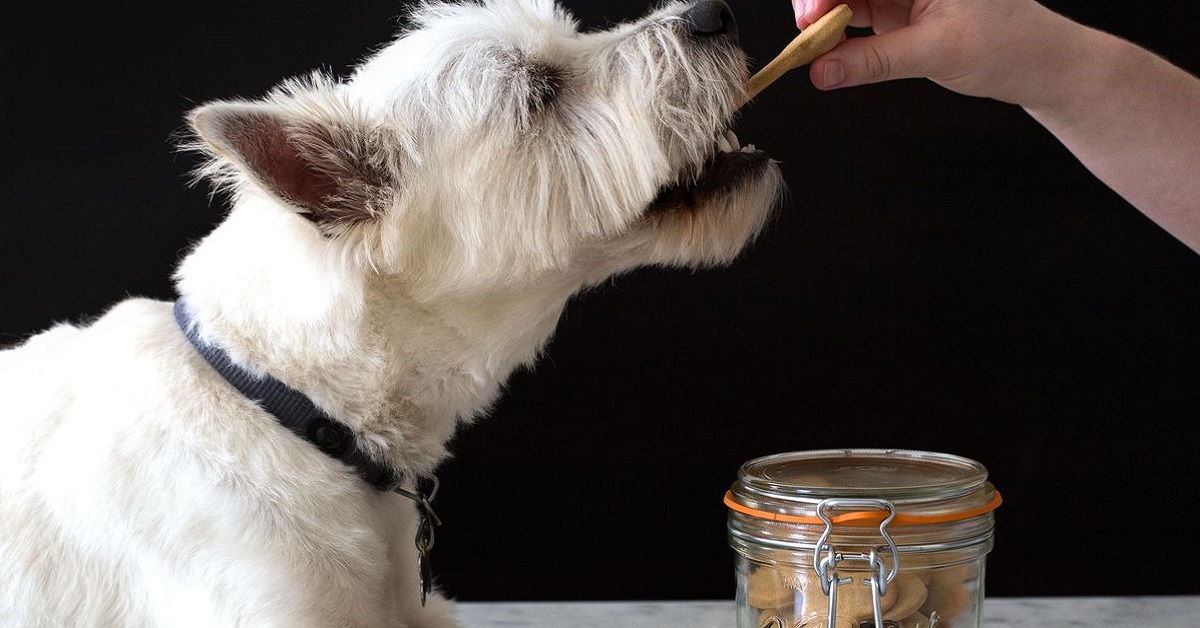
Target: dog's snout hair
{"x":398,"y":242}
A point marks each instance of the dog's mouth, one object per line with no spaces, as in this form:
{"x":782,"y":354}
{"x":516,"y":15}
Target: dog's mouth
{"x":727,"y":167}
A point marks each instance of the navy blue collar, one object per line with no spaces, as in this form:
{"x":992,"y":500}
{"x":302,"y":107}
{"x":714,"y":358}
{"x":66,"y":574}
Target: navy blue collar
{"x":292,"y":409}
{"x":297,"y":412}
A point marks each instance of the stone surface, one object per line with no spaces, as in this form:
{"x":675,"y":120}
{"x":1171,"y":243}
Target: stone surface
{"x":1081,"y":612}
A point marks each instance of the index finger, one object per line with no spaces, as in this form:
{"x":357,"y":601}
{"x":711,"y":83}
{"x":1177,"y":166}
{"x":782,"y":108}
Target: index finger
{"x":809,"y":11}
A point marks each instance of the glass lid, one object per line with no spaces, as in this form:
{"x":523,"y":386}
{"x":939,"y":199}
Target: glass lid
{"x":916,"y":482}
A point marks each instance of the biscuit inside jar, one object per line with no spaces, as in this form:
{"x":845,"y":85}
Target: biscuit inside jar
{"x":791,"y":597}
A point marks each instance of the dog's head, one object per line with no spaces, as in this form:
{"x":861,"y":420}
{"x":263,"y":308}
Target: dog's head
{"x":494,"y":141}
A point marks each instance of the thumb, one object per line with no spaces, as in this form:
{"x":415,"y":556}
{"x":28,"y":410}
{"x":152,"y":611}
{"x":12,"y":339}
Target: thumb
{"x":860,"y":60}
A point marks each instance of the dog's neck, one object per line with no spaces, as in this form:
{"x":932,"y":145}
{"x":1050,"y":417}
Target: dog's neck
{"x":402,"y":372}
{"x":291,"y":408}
{"x":295,"y":411}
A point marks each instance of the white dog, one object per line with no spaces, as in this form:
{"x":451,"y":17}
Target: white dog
{"x":398,"y":243}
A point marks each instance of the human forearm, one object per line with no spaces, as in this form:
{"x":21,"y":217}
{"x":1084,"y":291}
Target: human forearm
{"x":1133,"y":119}
{"x":1127,"y":114}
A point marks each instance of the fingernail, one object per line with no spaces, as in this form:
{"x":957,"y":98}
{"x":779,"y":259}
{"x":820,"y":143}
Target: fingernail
{"x":833,"y":74}
{"x":801,"y":8}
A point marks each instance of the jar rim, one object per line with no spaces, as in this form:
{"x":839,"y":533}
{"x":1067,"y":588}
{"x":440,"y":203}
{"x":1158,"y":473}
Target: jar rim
{"x":867,"y":517}
{"x":917,"y":487}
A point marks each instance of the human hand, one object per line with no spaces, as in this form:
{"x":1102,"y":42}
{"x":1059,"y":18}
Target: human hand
{"x":1010,"y":50}
{"x":1128,"y":114}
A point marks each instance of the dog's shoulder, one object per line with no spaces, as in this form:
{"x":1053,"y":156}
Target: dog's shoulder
{"x":133,"y":343}
{"x":132,"y":313}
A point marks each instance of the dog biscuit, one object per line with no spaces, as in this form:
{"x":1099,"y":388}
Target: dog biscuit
{"x":811,"y":43}
{"x":909,"y":601}
{"x":949,"y":593}
{"x":767,"y":589}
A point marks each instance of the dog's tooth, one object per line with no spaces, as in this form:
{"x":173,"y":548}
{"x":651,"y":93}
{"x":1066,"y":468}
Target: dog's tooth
{"x":749,"y":148}
{"x":733,"y":140}
{"x":723,"y":144}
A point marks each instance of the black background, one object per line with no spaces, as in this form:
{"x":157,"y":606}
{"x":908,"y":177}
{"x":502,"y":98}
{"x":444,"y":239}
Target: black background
{"x":945,"y":276}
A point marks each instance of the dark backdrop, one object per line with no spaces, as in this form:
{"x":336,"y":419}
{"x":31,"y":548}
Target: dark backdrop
{"x":945,"y":277}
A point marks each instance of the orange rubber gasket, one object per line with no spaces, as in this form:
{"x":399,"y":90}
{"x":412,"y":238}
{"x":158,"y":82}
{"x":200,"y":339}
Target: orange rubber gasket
{"x":866,"y":517}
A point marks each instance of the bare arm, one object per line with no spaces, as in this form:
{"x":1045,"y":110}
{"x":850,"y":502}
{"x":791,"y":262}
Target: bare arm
{"x":1134,"y":120}
{"x":1131,"y":117}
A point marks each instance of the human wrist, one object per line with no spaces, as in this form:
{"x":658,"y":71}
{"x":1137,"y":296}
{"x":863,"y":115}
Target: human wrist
{"x":1071,"y":66}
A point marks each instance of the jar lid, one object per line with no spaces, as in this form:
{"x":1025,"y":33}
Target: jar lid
{"x":924,"y":487}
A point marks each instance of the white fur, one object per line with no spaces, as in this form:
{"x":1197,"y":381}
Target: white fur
{"x":456,"y":191}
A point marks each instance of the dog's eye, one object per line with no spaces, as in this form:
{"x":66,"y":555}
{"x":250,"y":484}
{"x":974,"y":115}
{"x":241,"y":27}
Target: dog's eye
{"x":545,"y":81}
{"x":536,"y":84}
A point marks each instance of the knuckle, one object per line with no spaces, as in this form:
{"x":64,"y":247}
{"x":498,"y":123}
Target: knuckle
{"x":876,"y":64}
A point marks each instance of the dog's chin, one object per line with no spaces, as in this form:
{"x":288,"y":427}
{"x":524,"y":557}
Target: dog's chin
{"x":728,"y":168}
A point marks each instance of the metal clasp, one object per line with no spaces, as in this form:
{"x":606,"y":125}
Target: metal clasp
{"x":427,"y":521}
{"x":826,"y":566}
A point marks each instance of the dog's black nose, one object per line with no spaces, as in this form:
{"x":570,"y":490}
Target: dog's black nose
{"x":711,"y":18}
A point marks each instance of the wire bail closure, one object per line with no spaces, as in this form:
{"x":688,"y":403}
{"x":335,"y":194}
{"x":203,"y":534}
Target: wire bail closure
{"x":826,"y":567}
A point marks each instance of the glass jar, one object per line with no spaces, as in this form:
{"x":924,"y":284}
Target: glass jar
{"x":861,"y":538}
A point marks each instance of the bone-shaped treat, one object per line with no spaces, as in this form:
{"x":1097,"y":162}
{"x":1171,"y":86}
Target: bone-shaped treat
{"x":811,"y":43}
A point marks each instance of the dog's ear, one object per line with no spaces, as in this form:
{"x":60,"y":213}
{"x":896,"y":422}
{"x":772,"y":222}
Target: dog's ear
{"x":333,"y":169}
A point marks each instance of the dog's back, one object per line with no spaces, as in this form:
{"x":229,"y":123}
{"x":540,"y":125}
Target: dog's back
{"x":69,"y":415}
{"x":137,"y":489}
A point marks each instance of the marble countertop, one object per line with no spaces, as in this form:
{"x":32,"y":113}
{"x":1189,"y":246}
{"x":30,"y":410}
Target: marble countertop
{"x":1033,"y":612}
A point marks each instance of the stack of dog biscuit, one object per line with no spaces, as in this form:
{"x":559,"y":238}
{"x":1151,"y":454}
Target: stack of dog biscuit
{"x":913,"y":600}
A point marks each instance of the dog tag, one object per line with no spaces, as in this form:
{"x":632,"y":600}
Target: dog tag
{"x":427,"y":519}
{"x":424,"y":543}
{"x":426,"y":572}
